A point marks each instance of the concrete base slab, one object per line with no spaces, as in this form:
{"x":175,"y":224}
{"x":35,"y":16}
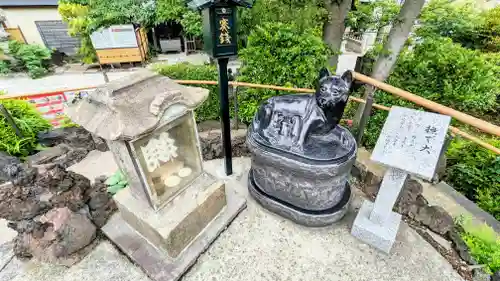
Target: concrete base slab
{"x":380,"y":236}
{"x":6,"y":254}
{"x":154,"y":261}
{"x":174,"y":226}
{"x":298,"y":215}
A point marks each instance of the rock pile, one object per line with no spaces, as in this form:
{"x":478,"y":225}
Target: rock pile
{"x":55,"y":212}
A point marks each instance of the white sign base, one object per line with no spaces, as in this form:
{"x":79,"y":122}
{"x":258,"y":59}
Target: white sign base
{"x":376,"y":224}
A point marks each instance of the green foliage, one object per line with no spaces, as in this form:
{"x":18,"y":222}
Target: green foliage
{"x":303,"y":14}
{"x":29,"y":122}
{"x":4,"y":67}
{"x":278,"y":54}
{"x":192,"y":23}
{"x":445,"y":72}
{"x":209,"y":110}
{"x":483,"y":243}
{"x":491,"y":30}
{"x":177,"y":11}
{"x":76,"y":15}
{"x":105,"y":13}
{"x":373,"y":15}
{"x":116,"y":182}
{"x":463,"y":23}
{"x":32,"y":58}
{"x":475,"y":172}
{"x":455,"y":20}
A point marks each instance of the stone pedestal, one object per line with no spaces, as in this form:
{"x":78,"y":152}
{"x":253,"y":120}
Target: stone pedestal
{"x":167,"y":242}
{"x":376,"y":224}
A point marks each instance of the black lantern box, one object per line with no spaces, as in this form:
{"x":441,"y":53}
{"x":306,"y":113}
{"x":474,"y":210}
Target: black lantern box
{"x":301,"y":157}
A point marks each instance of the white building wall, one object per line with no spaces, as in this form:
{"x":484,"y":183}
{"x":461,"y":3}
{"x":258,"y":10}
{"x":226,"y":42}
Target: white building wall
{"x":25,"y":18}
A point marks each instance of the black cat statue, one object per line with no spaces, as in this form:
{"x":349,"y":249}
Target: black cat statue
{"x":301,"y":156}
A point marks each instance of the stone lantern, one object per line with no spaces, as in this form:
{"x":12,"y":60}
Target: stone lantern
{"x":172,"y":210}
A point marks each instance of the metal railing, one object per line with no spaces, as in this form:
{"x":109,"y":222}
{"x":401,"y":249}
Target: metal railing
{"x":430,"y":105}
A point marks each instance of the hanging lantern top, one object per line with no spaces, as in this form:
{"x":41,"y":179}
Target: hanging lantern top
{"x":202,"y":4}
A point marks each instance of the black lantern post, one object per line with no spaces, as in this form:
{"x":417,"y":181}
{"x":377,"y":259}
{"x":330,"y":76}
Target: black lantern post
{"x":220,"y":41}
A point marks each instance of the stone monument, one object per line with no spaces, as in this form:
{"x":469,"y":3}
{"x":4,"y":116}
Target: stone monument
{"x":410,"y":143}
{"x":172,"y":209}
{"x":301,"y":157}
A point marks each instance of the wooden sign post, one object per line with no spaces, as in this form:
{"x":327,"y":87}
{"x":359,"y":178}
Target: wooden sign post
{"x":220,"y":41}
{"x":410,"y":143}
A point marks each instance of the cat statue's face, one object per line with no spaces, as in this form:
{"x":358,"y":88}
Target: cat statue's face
{"x":332,"y":90}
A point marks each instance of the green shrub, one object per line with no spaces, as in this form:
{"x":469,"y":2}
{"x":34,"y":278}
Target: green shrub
{"x":445,"y":72}
{"x":4,"y":67}
{"x":29,"y":122}
{"x":32,"y":58}
{"x":463,"y":23}
{"x":279,"y":54}
{"x":209,"y":110}
{"x":483,"y":243}
{"x":475,"y":172}
{"x":458,"y":21}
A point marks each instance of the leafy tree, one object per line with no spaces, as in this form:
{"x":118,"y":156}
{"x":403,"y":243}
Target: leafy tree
{"x":458,"y":21}
{"x":396,"y":39}
{"x":374,"y":15}
{"x":177,"y":11}
{"x":301,"y":13}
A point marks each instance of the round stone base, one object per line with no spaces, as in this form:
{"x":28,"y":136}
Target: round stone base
{"x":296,"y":214}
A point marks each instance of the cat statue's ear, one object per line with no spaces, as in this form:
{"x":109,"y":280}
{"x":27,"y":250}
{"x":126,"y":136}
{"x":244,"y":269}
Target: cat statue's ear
{"x":324,"y":72}
{"x":347,"y":77}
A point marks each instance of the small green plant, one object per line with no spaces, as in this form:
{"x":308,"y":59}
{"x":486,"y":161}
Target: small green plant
{"x":29,"y":122}
{"x":483,"y":243}
{"x":66,"y":122}
{"x":209,"y":110}
{"x":116,"y":182}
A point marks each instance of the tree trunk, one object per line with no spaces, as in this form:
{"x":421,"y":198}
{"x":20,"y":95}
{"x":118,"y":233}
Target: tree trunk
{"x":334,"y":27}
{"x":398,"y":35}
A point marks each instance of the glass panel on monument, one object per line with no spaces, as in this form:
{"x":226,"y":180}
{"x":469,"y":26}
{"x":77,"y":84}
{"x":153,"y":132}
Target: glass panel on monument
{"x":169,"y":158}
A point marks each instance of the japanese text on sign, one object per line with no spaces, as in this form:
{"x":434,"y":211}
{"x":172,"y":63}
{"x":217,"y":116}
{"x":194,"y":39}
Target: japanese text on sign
{"x":224,"y":28}
{"x":412,"y":140}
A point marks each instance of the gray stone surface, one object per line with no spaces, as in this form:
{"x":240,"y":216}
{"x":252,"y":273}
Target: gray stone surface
{"x":156,"y":263}
{"x":379,"y":235}
{"x":96,"y":164}
{"x":314,"y":186}
{"x":375,"y":223}
{"x":105,"y":263}
{"x":6,"y":254}
{"x":300,"y":216}
{"x":260,"y":245}
{"x":6,"y":234}
{"x":175,"y":225}
{"x":134,"y":105}
{"x":412,"y":140}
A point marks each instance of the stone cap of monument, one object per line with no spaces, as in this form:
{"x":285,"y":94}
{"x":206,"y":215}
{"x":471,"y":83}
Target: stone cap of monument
{"x":134,"y":105}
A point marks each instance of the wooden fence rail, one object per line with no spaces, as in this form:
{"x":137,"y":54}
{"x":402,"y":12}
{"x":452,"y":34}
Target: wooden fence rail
{"x":430,"y":105}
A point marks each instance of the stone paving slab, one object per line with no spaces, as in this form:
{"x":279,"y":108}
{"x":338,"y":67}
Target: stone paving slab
{"x":6,"y":254}
{"x":259,"y":245}
{"x":104,"y":263}
{"x":96,"y":164}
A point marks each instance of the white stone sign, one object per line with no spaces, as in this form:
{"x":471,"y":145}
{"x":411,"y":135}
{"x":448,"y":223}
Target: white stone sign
{"x":410,"y":142}
{"x":115,"y":36}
